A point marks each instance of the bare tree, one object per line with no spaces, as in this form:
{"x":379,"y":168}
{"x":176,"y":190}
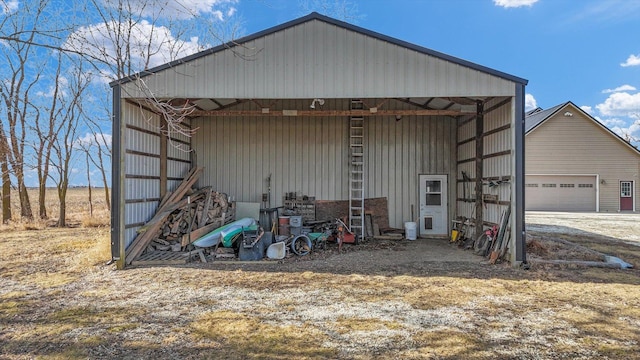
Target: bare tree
{"x":46,"y":130}
{"x":6,"y":188}
{"x":65,"y":141}
{"x":27,"y":29}
{"x":98,"y":150}
{"x":134,"y":36}
{"x":628,"y":134}
{"x":15,"y":90}
{"x":89,"y":183}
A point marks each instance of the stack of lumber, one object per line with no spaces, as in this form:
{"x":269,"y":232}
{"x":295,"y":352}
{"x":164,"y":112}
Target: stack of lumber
{"x":182,"y":217}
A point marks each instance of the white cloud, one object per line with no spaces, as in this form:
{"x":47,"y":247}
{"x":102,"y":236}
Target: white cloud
{"x":150,"y":45}
{"x":530,"y":102}
{"x":630,"y":132}
{"x":9,"y":7}
{"x":586,"y":108}
{"x":231,"y":11}
{"x":612,"y":122}
{"x":176,"y":9}
{"x":620,"y":104}
{"x":619,"y":89}
{"x":514,"y":3}
{"x":632,"y":60}
{"x":218,"y":15}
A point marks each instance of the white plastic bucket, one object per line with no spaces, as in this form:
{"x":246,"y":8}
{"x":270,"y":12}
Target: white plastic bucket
{"x":411,"y":230}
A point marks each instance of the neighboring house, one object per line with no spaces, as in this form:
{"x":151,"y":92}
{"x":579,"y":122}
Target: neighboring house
{"x":330,"y":110}
{"x":574,"y":163}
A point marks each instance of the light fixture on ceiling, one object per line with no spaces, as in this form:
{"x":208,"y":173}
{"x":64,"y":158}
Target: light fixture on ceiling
{"x":316,"y":101}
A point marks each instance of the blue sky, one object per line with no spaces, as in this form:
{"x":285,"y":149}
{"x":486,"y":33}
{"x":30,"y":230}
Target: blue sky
{"x":584,"y":51}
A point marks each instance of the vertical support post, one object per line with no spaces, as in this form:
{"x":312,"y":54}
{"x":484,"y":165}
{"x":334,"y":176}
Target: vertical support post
{"x":163,"y":165}
{"x":479,"y":221}
{"x":519,"y":129}
{"x":117,"y":182}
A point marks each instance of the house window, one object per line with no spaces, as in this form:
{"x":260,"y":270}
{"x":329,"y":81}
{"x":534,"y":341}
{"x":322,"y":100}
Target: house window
{"x":625,"y":189}
{"x":532,"y":185}
{"x":548,"y":185}
{"x":585,"y":185}
{"x":567,"y":185}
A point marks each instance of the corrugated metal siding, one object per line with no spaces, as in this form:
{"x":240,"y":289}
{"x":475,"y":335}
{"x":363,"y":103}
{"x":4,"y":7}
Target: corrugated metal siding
{"x":307,"y":156}
{"x":178,"y":156}
{"x":310,"y":156}
{"x":499,"y":141}
{"x":398,"y":151}
{"x":576,"y":145}
{"x":316,"y":59}
{"x":141,"y":184}
{"x":497,"y":162}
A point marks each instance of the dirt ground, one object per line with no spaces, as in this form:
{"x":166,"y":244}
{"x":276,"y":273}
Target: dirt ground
{"x":423,"y":299}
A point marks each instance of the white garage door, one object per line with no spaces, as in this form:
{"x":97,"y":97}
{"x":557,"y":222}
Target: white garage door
{"x":560,"y":193}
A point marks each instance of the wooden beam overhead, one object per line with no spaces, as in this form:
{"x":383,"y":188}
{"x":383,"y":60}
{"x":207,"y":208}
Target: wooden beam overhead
{"x":327,"y":113}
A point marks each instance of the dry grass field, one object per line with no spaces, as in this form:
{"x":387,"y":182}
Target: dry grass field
{"x":59,"y":300}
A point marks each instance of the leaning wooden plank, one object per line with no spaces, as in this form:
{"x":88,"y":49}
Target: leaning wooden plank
{"x":198,"y":233}
{"x":171,"y":194}
{"x":160,"y":216}
{"x":204,"y":215}
{"x":173,"y":202}
{"x":149,"y":231}
{"x":164,"y":199}
{"x":184,"y":186}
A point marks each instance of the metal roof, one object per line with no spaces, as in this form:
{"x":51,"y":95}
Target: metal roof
{"x":535,"y":118}
{"x":317,"y":16}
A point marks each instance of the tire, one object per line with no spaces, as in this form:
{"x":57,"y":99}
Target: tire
{"x":481,"y":245}
{"x":301,"y":245}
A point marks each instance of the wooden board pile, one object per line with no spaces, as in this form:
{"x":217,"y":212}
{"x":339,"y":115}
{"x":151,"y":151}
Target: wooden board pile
{"x":182,"y":217}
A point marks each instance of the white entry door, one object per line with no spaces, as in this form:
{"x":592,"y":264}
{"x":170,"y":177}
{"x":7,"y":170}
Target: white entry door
{"x":433,"y":205}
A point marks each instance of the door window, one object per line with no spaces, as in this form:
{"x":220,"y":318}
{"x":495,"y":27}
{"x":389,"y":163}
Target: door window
{"x":625,"y":189}
{"x":433,"y":193}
